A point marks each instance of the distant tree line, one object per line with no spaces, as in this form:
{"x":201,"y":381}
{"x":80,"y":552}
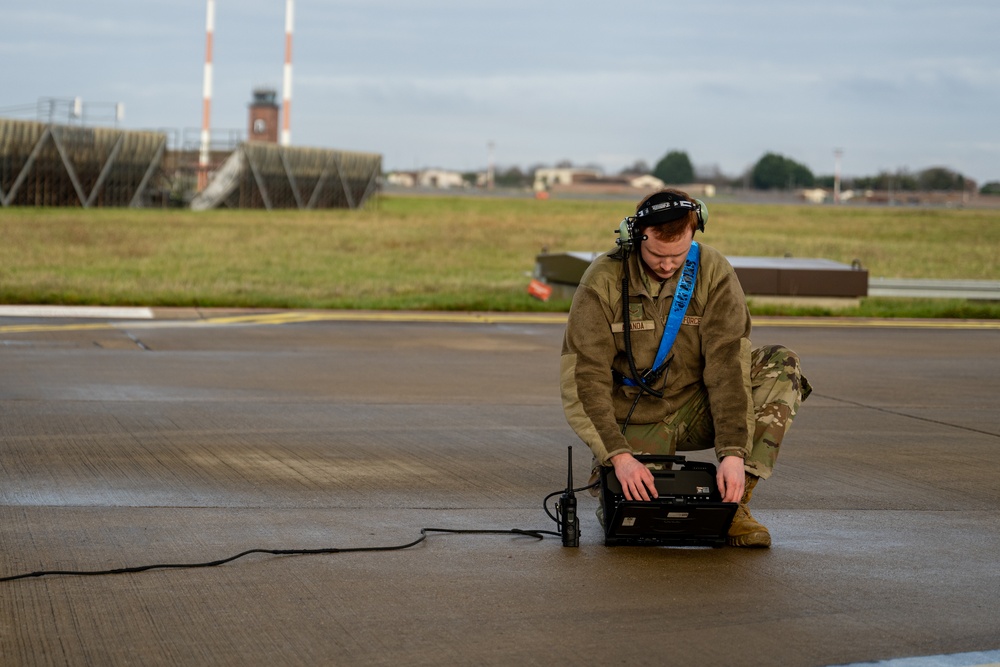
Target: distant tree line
{"x":772,"y":172}
{"x":777,"y":172}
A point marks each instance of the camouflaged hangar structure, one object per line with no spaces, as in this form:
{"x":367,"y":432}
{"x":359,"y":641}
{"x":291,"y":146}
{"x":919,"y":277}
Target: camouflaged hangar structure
{"x":50,"y":164}
{"x":269,"y":176}
{"x":46,"y":164}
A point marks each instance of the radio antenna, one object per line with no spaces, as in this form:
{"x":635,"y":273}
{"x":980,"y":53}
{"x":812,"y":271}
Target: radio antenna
{"x":569,"y":470}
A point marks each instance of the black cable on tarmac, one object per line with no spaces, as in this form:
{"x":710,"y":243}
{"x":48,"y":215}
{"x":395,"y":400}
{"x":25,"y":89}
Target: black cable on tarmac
{"x":537,"y":534}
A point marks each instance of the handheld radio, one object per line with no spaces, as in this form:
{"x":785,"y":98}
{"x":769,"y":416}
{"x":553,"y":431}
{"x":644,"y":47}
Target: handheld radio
{"x":569,"y":523}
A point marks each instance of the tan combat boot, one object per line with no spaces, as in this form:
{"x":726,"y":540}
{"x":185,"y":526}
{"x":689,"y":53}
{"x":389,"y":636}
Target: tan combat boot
{"x":746,"y":531}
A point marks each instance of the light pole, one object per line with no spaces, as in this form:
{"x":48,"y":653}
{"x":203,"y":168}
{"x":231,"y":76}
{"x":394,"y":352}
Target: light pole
{"x":489,"y":167}
{"x":837,"y":153}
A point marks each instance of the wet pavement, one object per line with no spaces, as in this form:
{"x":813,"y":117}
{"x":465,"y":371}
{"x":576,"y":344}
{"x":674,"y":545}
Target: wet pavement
{"x":195,"y":436}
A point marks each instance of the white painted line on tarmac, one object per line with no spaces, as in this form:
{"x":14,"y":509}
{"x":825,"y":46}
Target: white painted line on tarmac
{"x":974,"y":659}
{"x":95,"y":312}
{"x":873,"y":323}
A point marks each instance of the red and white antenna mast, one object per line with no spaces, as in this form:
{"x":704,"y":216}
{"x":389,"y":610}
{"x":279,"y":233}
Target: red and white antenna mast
{"x":206,"y":109}
{"x":286,"y":103}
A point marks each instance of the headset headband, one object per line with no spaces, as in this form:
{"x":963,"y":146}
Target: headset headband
{"x":674,"y":208}
{"x":667,"y":211}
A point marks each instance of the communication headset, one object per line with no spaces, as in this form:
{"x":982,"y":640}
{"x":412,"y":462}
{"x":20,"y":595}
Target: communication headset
{"x":673,"y":208}
{"x":668,"y":207}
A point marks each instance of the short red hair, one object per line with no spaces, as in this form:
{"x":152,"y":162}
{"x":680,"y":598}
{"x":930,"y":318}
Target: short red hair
{"x":671,"y":229}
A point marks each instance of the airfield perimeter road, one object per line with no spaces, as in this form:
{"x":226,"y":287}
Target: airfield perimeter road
{"x":181,"y":440}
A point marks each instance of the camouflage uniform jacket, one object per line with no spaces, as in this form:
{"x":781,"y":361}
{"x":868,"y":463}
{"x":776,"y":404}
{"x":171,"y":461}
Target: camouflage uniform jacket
{"x":711,"y":352}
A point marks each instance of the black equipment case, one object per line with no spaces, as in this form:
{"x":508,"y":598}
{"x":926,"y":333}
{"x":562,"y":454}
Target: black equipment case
{"x":688,"y":512}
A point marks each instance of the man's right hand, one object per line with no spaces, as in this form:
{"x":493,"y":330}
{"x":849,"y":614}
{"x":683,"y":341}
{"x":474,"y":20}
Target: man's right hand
{"x":636,"y":479}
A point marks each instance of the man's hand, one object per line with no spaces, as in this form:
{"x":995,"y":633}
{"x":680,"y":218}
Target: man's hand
{"x":636,"y":479}
{"x":731,"y":479}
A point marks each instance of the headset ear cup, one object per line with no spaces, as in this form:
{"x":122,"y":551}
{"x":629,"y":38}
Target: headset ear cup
{"x":702,"y":214}
{"x":625,"y":232}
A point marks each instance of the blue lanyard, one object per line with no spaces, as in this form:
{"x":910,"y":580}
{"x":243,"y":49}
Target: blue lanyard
{"x":682,"y":297}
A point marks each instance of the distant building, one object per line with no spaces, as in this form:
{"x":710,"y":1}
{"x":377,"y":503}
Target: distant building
{"x":646,"y":182}
{"x":592,"y":181}
{"x":426,"y":178}
{"x":404,"y":179}
{"x":821,"y":195}
{"x":814,"y":195}
{"x":440,"y":178}
{"x":545,"y":179}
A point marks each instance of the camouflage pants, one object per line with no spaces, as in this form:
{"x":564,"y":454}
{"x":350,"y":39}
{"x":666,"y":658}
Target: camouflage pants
{"x":778,"y":387}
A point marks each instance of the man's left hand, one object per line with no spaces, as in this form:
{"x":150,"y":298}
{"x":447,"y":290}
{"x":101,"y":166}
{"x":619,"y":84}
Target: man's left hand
{"x":731,"y":479}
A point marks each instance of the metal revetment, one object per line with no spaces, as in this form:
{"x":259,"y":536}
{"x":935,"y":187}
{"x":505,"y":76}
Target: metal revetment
{"x":269,"y":176}
{"x":44,"y":164}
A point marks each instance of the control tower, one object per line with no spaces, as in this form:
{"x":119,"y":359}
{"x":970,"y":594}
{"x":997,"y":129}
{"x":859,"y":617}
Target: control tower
{"x":263,"y":125}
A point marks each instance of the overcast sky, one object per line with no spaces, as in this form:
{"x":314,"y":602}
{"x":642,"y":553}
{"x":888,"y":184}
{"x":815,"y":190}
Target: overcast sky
{"x":893,"y":83}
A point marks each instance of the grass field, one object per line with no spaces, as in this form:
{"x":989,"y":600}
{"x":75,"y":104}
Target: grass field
{"x":444,"y":253}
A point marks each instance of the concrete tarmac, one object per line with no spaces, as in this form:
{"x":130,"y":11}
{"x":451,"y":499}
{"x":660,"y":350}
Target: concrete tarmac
{"x":193,"y":437}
